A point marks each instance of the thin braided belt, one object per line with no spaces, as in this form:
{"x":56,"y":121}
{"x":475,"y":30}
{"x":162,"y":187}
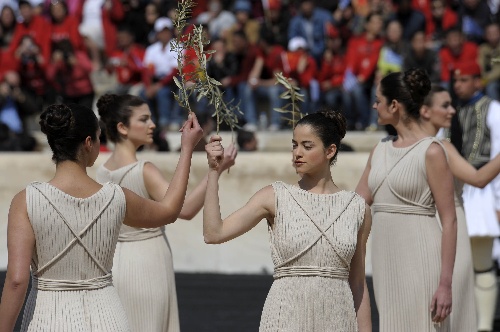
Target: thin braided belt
{"x":311,"y":271}
{"x":404,"y":209}
{"x":140,"y":235}
{"x":72,"y":285}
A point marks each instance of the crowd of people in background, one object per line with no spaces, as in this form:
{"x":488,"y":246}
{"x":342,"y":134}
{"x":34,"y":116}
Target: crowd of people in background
{"x":335,"y":51}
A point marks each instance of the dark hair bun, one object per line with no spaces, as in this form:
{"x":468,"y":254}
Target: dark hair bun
{"x":339,"y":121}
{"x":56,"y":120}
{"x":418,"y":83}
{"x":105,"y":103}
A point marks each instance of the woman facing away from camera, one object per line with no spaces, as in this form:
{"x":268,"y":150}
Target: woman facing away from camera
{"x":316,"y":233}
{"x":67,"y":230}
{"x":437,"y":113}
{"x":143,"y":272}
{"x":406,"y":178}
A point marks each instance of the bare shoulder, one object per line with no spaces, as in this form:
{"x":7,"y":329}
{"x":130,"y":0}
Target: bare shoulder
{"x":19,"y":199}
{"x":435,"y":151}
{"x":152,"y":174}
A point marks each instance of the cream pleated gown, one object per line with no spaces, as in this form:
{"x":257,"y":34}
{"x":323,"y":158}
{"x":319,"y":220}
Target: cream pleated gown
{"x":313,"y":240}
{"x":143,"y":272}
{"x":406,"y":238}
{"x":71,"y":265}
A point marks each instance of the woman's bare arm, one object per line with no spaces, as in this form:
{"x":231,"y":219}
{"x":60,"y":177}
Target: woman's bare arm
{"x":467,"y":173}
{"x":440,"y":182}
{"x":20,"y":245}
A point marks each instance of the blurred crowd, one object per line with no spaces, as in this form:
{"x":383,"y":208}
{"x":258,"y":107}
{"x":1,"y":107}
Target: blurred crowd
{"x":334,"y":51}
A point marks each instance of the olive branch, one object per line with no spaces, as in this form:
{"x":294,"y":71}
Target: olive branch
{"x":180,"y":45}
{"x":199,"y":81}
{"x":291,"y":93}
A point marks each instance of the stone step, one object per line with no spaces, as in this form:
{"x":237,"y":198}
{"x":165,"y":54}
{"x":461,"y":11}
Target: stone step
{"x":278,"y":141}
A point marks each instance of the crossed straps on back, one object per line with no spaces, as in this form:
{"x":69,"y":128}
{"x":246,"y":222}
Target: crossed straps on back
{"x":281,"y":270}
{"x":412,"y":207}
{"x":138,"y":234}
{"x":94,"y":283}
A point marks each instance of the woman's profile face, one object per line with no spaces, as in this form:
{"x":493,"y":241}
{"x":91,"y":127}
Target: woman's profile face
{"x":441,"y":110}
{"x":309,"y":153}
{"x":382,"y":108}
{"x":141,"y":126}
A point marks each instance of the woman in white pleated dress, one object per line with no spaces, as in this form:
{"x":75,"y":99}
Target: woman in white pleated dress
{"x":143,"y":272}
{"x":66,"y":230}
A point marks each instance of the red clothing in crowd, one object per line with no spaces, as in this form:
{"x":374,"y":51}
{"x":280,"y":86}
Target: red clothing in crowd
{"x":39,"y":30}
{"x":128,"y":64}
{"x":272,"y":61}
{"x":110,"y":18}
{"x":333,"y":70}
{"x":7,"y":63}
{"x":450,"y":19}
{"x":246,"y":65}
{"x":362,"y":56}
{"x":290,"y":66}
{"x":72,"y":81}
{"x":449,"y":60}
{"x":67,"y":29}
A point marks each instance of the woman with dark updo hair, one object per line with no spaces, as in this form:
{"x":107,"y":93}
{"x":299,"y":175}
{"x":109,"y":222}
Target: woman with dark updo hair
{"x":67,"y":230}
{"x":316,"y":233}
{"x":406,"y":178}
{"x":143,"y":271}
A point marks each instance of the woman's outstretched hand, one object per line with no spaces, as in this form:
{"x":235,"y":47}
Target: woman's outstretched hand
{"x":229,"y":160}
{"x":215,"y":153}
{"x":191,"y":132}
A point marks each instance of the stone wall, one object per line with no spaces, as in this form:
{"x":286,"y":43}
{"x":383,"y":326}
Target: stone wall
{"x":247,"y":254}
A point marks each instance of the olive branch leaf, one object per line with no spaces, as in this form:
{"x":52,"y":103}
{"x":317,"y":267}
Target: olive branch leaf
{"x":291,"y":93}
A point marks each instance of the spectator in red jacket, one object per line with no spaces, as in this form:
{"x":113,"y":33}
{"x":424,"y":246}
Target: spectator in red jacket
{"x":7,"y":26}
{"x":362,"y":57}
{"x":442,"y":18}
{"x":331,"y":74}
{"x":34,"y":26}
{"x":31,"y":66}
{"x":69,"y":72}
{"x":300,"y":67}
{"x":261,"y":83}
{"x":64,"y":26}
{"x":455,"y":50}
{"x":127,"y":61}
{"x":98,"y":27}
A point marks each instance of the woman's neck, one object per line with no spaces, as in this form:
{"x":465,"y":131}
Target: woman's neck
{"x":124,"y":153}
{"x":70,"y":170}
{"x":318,"y":183}
{"x":409,"y":133}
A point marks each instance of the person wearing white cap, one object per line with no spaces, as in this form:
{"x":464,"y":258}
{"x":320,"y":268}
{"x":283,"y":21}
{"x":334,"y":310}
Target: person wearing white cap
{"x":161,"y":67}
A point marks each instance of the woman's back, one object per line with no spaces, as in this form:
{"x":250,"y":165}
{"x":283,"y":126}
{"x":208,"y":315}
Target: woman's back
{"x":71,"y":267}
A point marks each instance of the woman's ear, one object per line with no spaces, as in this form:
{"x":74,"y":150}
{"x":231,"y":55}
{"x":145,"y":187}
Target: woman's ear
{"x":425,"y":112}
{"x":331,"y":151}
{"x":88,"y":143}
{"x":122,"y":129}
{"x":393,"y":107}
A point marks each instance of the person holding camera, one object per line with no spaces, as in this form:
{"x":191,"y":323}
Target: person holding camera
{"x":69,"y":73}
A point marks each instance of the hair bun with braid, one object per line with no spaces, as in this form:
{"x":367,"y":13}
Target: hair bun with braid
{"x":418,"y":84}
{"x":339,"y":121}
{"x":106,"y":104}
{"x":56,"y":121}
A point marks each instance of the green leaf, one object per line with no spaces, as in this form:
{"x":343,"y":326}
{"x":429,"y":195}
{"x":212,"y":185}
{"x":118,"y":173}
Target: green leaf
{"x":179,"y":85}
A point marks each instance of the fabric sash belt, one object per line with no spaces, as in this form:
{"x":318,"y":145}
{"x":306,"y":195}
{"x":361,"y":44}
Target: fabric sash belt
{"x":72,"y":285}
{"x":404,"y":209}
{"x":140,"y":235}
{"x":311,"y":271}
